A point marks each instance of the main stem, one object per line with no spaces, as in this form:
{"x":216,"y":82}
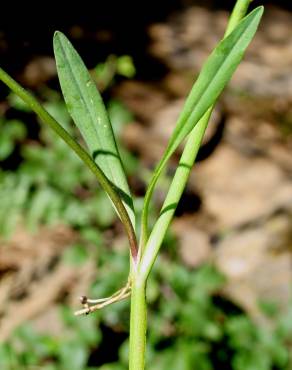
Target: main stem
{"x":138,"y":321}
{"x":138,"y":324}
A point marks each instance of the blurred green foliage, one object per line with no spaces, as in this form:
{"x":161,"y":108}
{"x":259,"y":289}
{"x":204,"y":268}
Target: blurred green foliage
{"x":51,"y":185}
{"x":105,"y":73}
{"x":191,"y":325}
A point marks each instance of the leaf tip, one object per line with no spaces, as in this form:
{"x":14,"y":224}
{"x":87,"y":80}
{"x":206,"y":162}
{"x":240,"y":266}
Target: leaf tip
{"x":259,"y":11}
{"x":58,"y":37}
{"x":57,"y":34}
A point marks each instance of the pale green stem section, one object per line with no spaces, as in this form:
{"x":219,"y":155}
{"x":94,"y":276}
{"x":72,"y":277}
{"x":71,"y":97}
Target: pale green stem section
{"x":82,"y":154}
{"x":138,"y":305}
{"x":238,"y":12}
{"x":173,"y":196}
{"x":138,"y":325}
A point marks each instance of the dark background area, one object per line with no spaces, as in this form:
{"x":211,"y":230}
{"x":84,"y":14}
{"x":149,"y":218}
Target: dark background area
{"x":26,"y":29}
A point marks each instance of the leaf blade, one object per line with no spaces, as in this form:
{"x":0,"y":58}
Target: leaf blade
{"x":88,"y":112}
{"x":216,"y":72}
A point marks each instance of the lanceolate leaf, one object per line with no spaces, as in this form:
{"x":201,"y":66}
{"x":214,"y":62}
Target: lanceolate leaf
{"x":215,"y":74}
{"x":86,"y":107}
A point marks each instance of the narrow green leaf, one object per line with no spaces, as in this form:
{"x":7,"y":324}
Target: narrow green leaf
{"x":215,"y":74}
{"x":86,"y":107}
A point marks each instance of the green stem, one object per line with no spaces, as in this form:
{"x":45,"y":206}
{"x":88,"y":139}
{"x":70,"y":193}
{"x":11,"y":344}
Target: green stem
{"x":173,"y":196}
{"x":238,"y":12}
{"x":138,"y":325}
{"x":82,"y":154}
{"x":138,"y":305}
{"x":145,"y":210}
